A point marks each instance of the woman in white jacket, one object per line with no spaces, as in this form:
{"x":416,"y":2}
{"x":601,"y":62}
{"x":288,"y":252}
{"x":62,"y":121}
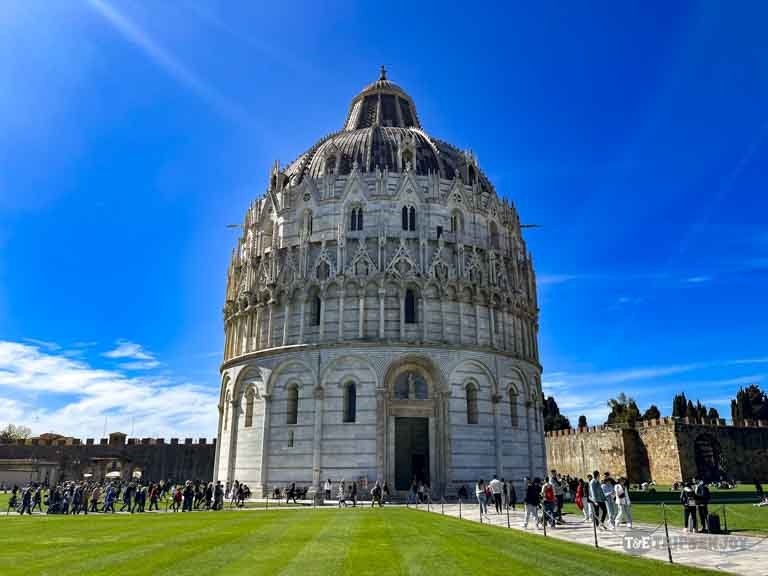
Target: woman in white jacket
{"x":621,"y":492}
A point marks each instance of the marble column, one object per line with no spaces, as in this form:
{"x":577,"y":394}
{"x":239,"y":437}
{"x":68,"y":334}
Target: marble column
{"x":382,"y":294}
{"x":341,"y":314}
{"x":361,"y":315}
{"x":286,"y":320}
{"x":317,"y":439}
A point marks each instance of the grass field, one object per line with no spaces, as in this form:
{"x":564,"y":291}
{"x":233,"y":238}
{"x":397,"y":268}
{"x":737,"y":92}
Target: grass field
{"x":305,"y":542}
{"x":742,"y":518}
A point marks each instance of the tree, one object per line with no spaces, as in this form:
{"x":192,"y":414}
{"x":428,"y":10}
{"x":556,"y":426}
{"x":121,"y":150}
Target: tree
{"x":624,"y":411}
{"x":652,"y":413}
{"x":679,"y":406}
{"x":750,"y":404}
{"x":713,"y":414}
{"x":582,"y":421}
{"x":11,"y":433}
{"x":553,"y":420}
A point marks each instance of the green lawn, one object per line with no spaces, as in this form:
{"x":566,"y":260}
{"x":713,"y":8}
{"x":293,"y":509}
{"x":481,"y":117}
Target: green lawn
{"x":741,"y":517}
{"x":304,"y":542}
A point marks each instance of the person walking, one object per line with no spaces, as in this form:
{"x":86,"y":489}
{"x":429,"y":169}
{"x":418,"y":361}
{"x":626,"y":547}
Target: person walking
{"x":702,"y":496}
{"x":597,"y":500}
{"x":353,"y":494}
{"x":512,"y":495}
{"x":549,"y":502}
{"x":109,"y":500}
{"x":328,"y":489}
{"x":37,"y":499}
{"x":26,"y":501}
{"x":580,"y":499}
{"x":127,"y":499}
{"x":386,"y":493}
{"x":623,"y":503}
{"x":376,"y":494}
{"x":608,"y":487}
{"x":95,"y":496}
{"x":532,"y":498}
{"x":496,"y":486}
{"x":557,"y":487}
{"x":342,"y":494}
{"x":481,"y":499}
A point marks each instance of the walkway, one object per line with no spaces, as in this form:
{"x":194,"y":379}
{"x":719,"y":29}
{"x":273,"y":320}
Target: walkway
{"x":731,"y":553}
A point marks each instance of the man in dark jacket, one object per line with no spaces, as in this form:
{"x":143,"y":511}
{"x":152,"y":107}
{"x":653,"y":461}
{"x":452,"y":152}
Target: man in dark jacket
{"x":702,"y":496}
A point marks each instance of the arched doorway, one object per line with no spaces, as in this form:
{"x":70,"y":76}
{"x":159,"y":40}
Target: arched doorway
{"x":414,"y":422}
{"x":707,"y":453}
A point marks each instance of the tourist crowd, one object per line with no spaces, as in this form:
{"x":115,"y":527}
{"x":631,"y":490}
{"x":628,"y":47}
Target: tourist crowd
{"x":83,"y":497}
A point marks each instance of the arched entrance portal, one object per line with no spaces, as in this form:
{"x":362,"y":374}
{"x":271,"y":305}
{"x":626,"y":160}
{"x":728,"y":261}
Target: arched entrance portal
{"x":415,"y":434}
{"x":707,"y":452}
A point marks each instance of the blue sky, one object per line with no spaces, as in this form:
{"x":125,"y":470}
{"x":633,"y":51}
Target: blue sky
{"x":131,"y":133}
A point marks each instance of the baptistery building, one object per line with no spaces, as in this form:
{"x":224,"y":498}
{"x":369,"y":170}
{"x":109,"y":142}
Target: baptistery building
{"x":380,"y":317}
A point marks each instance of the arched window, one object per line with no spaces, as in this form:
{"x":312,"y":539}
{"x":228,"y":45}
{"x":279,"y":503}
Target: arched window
{"x":457,"y":224}
{"x":411,"y":386}
{"x":494,"y":233}
{"x":513,"y":408}
{"x":471,"y":173}
{"x":410,"y":307}
{"x":356,"y":219}
{"x":306,"y":224}
{"x":409,"y":218}
{"x":249,"y":398}
{"x":471,"y":403}
{"x":292,"y":404}
{"x":317,"y":305}
{"x":330,"y":165}
{"x":407,"y":157}
{"x":350,"y":402}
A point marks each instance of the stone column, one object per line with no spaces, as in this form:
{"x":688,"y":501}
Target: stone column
{"x":217,"y":455}
{"x":265,"y":444}
{"x":442,"y":318}
{"x":269,"y":322}
{"x":341,"y":314}
{"x":381,"y":434}
{"x":492,"y":323}
{"x":382,"y":294}
{"x":232,"y":452}
{"x":258,"y":326}
{"x":286,"y":319}
{"x":402,"y":315}
{"x":361,"y":316}
{"x":301,"y":319}
{"x":322,"y":318}
{"x":477,"y":322}
{"x":496,"y":399}
{"x":317,"y":440}
{"x":424,"y":318}
{"x":461,"y":319}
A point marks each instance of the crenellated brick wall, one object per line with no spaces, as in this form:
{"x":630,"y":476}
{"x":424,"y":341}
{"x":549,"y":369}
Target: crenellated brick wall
{"x":664,"y":450}
{"x":54,"y":459}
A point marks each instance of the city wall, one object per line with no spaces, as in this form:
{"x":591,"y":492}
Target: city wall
{"x":52,"y":460}
{"x":665,"y":450}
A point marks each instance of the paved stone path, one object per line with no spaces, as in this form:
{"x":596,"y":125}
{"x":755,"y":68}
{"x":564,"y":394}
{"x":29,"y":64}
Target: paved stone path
{"x":730,"y":553}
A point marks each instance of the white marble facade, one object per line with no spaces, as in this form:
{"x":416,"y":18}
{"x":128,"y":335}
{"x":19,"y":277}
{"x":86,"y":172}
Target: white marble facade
{"x":380,"y":318}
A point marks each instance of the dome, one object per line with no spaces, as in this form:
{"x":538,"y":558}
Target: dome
{"x":382,"y":132}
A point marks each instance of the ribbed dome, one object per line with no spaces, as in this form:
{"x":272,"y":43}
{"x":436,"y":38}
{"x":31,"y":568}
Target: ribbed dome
{"x":382,"y":131}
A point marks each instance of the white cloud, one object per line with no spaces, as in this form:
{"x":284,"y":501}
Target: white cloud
{"x":33,"y":381}
{"x":126,"y":349}
{"x":697,"y":279}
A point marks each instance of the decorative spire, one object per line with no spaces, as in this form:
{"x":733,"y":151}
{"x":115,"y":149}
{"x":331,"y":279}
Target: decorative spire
{"x":383,"y":73}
